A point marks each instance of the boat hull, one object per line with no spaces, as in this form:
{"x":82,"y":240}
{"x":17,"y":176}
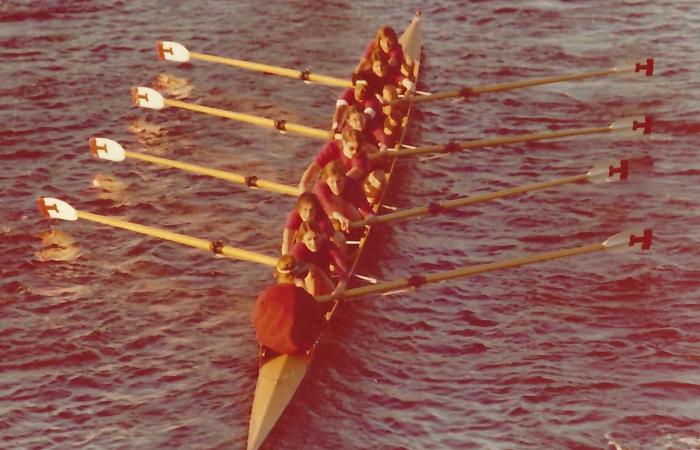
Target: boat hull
{"x":281,"y":375}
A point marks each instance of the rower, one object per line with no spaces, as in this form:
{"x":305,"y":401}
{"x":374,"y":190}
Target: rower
{"x":317,"y":253}
{"x":348,"y":151}
{"x":357,"y":95}
{"x":308,"y":208}
{"x":387,"y":42}
{"x":387,"y":135}
{"x":286,"y":318}
{"x":376,"y":74}
{"x":379,"y":76}
{"x":356,"y":119}
{"x":342,"y":197}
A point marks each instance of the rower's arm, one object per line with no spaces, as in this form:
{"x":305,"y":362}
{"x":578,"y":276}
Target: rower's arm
{"x":356,"y":173}
{"x":309,"y":177}
{"x":286,"y":241}
{"x":338,"y":115}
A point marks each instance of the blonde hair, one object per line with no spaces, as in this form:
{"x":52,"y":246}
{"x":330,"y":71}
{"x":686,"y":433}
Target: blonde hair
{"x":333,"y":168}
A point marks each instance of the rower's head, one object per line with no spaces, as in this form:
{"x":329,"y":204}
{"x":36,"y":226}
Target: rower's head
{"x":393,"y":118}
{"x":308,"y":206}
{"x":374,"y":184}
{"x":352,"y":140}
{"x":334,"y":176}
{"x":355,"y":118}
{"x":379,"y":62}
{"x":387,"y":39}
{"x":310,"y":235}
{"x":361,"y":89}
{"x":389,"y":92}
{"x":287,"y":269}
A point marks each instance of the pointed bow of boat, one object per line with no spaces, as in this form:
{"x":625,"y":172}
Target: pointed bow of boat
{"x":278,"y":379}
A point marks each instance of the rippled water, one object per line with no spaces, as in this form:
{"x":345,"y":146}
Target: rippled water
{"x":114,"y":340}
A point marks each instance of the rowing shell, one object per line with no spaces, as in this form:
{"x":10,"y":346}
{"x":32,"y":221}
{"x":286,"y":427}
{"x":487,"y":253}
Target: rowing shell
{"x":280,"y":375}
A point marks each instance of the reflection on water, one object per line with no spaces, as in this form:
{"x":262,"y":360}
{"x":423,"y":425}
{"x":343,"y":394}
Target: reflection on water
{"x":57,"y":245}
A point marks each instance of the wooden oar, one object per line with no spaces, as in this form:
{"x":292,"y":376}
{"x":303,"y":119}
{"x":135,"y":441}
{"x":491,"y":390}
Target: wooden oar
{"x":635,"y":125}
{"x":150,"y":98}
{"x":603,"y":172}
{"x":646,"y":67}
{"x":172,"y":51}
{"x":621,"y":242}
{"x":58,"y":209}
{"x":110,"y":150}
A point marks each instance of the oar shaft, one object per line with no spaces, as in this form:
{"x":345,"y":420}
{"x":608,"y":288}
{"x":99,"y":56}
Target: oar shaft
{"x":280,"y":125}
{"x":274,"y":70}
{"x":498,"y":87}
{"x":221,"y":174}
{"x":547,"y":80}
{"x":490,"y":142}
{"x":480,"y":198}
{"x":465,"y":271}
{"x":189,"y":241}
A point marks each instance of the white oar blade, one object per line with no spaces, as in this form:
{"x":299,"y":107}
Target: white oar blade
{"x":147,"y":98}
{"x":103,"y":148}
{"x":56,"y":209}
{"x":637,"y":125}
{"x":172,"y":51}
{"x":609,"y":171}
{"x":629,"y":240}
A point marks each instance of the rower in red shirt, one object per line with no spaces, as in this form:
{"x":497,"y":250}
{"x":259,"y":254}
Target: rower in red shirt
{"x":318,"y":253}
{"x":388,"y":134}
{"x":378,"y":75}
{"x":342,"y":197}
{"x":348,"y":151}
{"x":308,"y":208}
{"x":387,"y":42}
{"x":286,"y":318}
{"x":358,"y":95}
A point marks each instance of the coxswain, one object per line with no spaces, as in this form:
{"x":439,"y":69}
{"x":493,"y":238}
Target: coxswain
{"x":309,"y":208}
{"x":386,"y":42}
{"x":317,"y":253}
{"x":358,"y":95}
{"x":342,"y":197}
{"x":286,"y":318}
{"x":349,"y":150}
